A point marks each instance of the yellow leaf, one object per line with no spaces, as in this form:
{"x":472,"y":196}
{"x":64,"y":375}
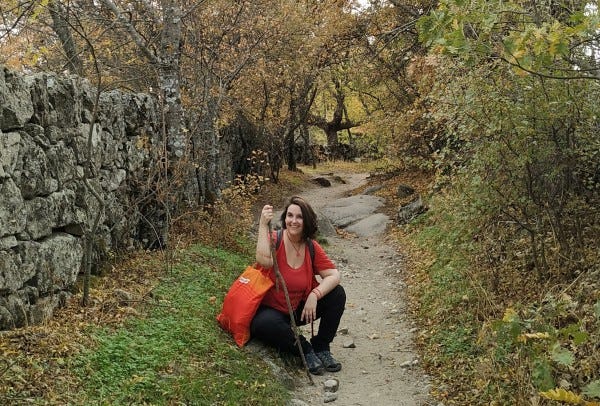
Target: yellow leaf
{"x":137,"y":379}
{"x":142,"y":142}
{"x":539,"y":33}
{"x":562,"y":395}
{"x":521,"y":72}
{"x":510,"y":315}
{"x":519,"y":53}
{"x":530,"y":336}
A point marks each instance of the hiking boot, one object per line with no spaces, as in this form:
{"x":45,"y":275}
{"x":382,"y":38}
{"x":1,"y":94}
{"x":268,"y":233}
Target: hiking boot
{"x":330,"y":364}
{"x":314,"y":364}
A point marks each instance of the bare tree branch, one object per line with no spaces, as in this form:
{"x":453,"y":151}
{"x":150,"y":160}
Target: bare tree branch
{"x":135,"y":35}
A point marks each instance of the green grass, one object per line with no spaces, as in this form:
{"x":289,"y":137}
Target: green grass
{"x":441,"y":299}
{"x":177,"y":353}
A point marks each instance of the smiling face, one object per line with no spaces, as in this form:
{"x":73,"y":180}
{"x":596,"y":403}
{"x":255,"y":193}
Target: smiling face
{"x":294,"y":222}
{"x":299,"y":219}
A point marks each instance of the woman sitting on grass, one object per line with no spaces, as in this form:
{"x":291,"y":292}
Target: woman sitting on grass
{"x":310,"y":299}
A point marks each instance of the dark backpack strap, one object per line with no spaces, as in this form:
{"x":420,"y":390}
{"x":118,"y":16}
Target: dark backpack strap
{"x":278,"y":242}
{"x":311,"y":251}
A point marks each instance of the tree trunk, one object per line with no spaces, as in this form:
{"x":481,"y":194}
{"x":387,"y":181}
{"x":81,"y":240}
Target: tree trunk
{"x":332,"y":138}
{"x":213,"y":176}
{"x":289,"y":147}
{"x":300,"y":104}
{"x":208,"y":149}
{"x":308,"y":156}
{"x":61,"y":27}
{"x":169,"y":77}
{"x":337,"y":122}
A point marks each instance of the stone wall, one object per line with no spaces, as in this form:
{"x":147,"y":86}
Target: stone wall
{"x":45,"y":207}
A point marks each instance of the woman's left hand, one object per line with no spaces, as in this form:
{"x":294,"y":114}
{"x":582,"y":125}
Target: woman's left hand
{"x":309,"y":313}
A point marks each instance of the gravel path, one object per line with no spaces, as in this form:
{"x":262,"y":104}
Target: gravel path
{"x":374,"y":343}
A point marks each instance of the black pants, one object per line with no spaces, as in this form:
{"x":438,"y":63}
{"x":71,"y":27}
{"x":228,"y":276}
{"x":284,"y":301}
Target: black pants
{"x":274,"y":327}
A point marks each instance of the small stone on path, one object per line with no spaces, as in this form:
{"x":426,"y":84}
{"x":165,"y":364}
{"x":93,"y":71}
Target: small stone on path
{"x":406,"y":364}
{"x":349,"y":343}
{"x":372,"y":189}
{"x":330,"y":397}
{"x":322,"y":181}
{"x":297,"y":402}
{"x":331,"y":385}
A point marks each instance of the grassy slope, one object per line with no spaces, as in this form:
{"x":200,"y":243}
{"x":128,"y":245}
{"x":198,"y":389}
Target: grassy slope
{"x":176,"y":353}
{"x":170,"y":352}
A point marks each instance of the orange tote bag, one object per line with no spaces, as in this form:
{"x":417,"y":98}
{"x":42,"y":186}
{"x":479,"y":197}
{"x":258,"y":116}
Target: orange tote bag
{"x":242,"y":300}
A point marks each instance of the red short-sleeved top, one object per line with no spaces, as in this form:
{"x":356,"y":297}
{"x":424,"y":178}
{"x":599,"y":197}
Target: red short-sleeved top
{"x":299,"y":281}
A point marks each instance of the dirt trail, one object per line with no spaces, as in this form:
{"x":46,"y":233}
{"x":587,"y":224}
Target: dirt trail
{"x":382,"y":368}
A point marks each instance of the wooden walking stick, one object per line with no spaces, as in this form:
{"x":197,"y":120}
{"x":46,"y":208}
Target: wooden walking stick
{"x":280,"y":279}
